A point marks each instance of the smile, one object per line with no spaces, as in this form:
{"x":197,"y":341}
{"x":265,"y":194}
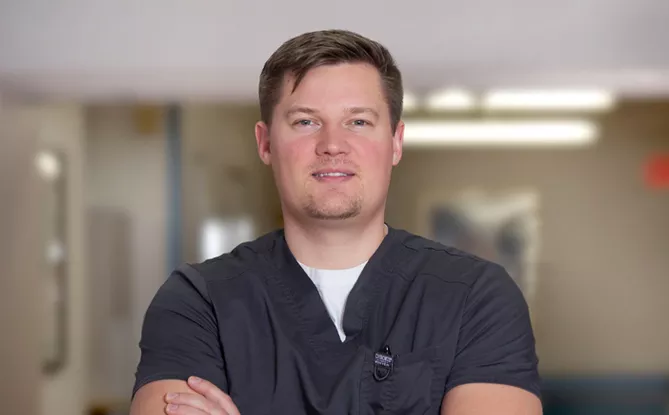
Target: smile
{"x":333,"y":174}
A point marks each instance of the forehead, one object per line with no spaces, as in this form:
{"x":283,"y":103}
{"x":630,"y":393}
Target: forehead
{"x":342,"y":85}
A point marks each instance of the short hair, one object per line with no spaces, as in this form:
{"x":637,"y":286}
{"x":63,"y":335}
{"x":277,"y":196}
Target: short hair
{"x":328,"y":47}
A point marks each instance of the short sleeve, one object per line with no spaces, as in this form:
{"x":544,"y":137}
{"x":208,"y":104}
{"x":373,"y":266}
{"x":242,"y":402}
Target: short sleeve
{"x":496,"y":343}
{"x":180,"y":334}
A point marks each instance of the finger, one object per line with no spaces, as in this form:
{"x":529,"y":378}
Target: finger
{"x":195,"y":401}
{"x":173,"y":409}
{"x":211,"y":392}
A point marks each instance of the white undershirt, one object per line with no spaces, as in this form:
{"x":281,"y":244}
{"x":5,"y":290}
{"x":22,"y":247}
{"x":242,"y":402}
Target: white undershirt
{"x":334,"y":287}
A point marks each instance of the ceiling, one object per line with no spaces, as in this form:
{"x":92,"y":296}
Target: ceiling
{"x":214,"y":49}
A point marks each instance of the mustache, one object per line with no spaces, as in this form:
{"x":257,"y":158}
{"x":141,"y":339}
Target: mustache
{"x":333,"y":162}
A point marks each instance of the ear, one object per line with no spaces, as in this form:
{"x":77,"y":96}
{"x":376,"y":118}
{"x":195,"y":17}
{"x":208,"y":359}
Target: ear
{"x":262,"y":141}
{"x":398,"y":142}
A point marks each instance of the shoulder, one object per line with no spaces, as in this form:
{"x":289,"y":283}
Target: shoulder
{"x":191,"y":283}
{"x":245,"y":257}
{"x":489,"y":289}
{"x":446,"y":263}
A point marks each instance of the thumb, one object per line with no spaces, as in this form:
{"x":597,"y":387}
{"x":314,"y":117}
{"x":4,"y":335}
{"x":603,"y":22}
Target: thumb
{"x":213,"y":394}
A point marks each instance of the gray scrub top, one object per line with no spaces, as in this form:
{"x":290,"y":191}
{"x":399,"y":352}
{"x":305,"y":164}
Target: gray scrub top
{"x":422,"y":319}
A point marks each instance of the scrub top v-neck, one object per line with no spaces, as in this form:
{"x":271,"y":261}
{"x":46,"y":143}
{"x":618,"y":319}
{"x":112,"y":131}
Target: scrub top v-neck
{"x":420,"y":320}
{"x":309,"y":311}
{"x":334,"y":286}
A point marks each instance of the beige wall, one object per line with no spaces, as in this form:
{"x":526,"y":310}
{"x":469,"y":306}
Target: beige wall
{"x":126,"y":189}
{"x":58,"y":127}
{"x":62,"y":127}
{"x":601,"y":300}
{"x":110,"y":168}
{"x":222,"y":174}
{"x":19,"y":195}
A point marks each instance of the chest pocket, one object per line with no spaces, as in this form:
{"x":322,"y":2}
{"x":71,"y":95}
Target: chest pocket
{"x":415,"y":385}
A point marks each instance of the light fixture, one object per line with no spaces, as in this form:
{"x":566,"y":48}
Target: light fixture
{"x":548,"y":100}
{"x":500,"y":133}
{"x":48,"y":165}
{"x":454,"y":99}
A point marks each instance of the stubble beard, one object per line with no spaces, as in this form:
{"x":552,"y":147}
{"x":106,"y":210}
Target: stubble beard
{"x":338,"y":206}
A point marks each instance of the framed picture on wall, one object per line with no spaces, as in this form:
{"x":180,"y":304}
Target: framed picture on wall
{"x":502,"y":227}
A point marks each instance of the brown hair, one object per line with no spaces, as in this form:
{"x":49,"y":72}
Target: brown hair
{"x":328,"y":47}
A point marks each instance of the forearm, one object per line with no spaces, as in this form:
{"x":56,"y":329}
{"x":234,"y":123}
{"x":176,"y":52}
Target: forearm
{"x":480,"y":398}
{"x":150,"y":398}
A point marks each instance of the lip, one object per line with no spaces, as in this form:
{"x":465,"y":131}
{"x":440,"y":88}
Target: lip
{"x":326,"y":171}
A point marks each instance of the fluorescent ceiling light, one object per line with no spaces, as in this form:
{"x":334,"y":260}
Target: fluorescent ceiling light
{"x":452,"y":100}
{"x":549,"y":100}
{"x":492,"y":133}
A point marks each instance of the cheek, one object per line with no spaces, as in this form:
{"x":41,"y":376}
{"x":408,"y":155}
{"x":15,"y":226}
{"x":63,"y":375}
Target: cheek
{"x":294,"y":158}
{"x":377,"y":158}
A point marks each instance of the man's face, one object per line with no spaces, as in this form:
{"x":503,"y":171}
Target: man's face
{"x":331,"y":144}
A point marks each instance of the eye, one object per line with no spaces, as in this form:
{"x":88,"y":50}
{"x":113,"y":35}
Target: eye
{"x":360,"y":123}
{"x":303,"y":123}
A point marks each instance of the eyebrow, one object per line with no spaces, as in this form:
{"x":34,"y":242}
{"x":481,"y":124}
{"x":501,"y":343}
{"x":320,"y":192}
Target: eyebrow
{"x":300,"y":110}
{"x":349,"y":110}
{"x":362,"y":110}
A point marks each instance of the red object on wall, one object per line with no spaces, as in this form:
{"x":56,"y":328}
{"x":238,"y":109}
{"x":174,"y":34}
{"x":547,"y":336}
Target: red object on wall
{"x":657,"y":172}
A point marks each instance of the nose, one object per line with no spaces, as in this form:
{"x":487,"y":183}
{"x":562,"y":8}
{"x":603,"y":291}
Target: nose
{"x":332,"y":143}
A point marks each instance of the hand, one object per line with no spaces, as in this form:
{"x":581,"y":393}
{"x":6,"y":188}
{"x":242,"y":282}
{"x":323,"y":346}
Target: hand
{"x":208,"y":400}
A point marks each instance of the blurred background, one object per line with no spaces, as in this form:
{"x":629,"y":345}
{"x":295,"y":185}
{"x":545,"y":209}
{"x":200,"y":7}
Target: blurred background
{"x":537,"y":136}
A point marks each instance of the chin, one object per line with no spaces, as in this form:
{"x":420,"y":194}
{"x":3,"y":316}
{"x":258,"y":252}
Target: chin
{"x":333,"y":216}
{"x":331,"y":211}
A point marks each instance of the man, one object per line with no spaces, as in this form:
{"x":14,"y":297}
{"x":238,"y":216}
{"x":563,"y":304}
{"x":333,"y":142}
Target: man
{"x":338,"y":313}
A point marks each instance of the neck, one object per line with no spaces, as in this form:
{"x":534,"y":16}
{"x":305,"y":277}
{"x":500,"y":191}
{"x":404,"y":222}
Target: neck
{"x":332,"y":246}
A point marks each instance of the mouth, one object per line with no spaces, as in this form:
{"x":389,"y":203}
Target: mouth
{"x":332,"y":175}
